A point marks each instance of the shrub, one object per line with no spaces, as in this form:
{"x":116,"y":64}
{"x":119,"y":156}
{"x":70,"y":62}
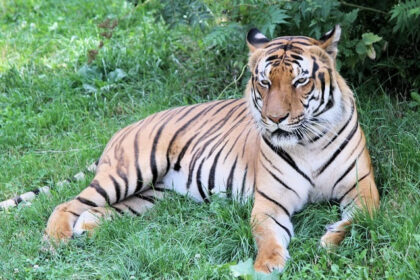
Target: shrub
{"x":378,"y":44}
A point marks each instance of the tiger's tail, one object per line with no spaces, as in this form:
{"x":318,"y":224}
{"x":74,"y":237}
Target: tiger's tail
{"x":31,"y":195}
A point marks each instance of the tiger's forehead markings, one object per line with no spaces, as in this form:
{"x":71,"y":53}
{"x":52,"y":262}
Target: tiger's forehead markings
{"x":290,"y":58}
{"x":292,"y":43}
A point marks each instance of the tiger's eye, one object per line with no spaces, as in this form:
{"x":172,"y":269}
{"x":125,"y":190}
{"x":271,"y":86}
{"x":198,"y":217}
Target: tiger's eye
{"x":265,"y":82}
{"x":301,"y":80}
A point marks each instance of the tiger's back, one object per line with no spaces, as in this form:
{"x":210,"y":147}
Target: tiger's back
{"x":196,"y":150}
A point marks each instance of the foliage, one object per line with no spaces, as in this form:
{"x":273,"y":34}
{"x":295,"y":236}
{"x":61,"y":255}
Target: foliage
{"x":379,"y":39}
{"x":406,"y":15}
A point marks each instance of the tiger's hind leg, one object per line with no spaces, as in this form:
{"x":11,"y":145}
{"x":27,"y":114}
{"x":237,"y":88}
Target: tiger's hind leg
{"x":361,"y":196}
{"x":109,"y":187}
{"x":133,"y":206}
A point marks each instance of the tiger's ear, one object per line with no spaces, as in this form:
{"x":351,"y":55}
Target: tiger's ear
{"x":330,"y":40}
{"x":256,"y":40}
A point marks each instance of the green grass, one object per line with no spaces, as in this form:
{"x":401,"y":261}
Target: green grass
{"x":57,"y":112}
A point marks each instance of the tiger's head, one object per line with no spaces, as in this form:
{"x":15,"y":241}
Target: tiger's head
{"x":295,"y":91}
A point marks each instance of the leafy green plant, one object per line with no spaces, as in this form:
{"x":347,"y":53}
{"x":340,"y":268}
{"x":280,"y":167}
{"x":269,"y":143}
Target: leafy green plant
{"x":406,"y":16}
{"x":385,"y":32}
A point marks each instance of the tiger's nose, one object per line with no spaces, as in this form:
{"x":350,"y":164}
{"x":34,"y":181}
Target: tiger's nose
{"x":278,"y":118}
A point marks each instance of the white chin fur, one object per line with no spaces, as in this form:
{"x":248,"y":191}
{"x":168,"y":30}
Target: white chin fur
{"x":283,"y":141}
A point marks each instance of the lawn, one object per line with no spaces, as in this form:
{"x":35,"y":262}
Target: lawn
{"x":73,"y":73}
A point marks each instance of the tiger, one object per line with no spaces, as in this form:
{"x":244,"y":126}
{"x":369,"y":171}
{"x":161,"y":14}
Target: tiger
{"x":294,"y":138}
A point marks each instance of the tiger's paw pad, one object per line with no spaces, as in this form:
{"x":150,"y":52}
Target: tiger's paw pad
{"x":271,"y":260}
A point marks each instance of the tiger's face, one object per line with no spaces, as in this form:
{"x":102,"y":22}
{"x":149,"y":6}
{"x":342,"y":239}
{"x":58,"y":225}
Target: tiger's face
{"x":293,"y":91}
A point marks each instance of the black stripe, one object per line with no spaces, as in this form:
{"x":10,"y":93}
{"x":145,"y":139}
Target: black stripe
{"x":195,"y":158}
{"x":303,"y":38}
{"x":344,"y":207}
{"x":36,"y":191}
{"x":319,"y":136}
{"x":186,"y":125}
{"x":330,"y":102}
{"x":100,"y":190}
{"x":123,"y":176}
{"x":275,"y":202}
{"x":286,"y":157}
{"x":139,"y":184}
{"x":191,"y":108}
{"x":282,"y":226}
{"x":272,"y":57}
{"x":227,"y":104}
{"x":17,"y":200}
{"x":302,"y":43}
{"x":315,"y":67}
{"x":226,"y":136}
{"x":203,"y":146}
{"x":338,"y":151}
{"x":121,"y":212}
{"x":321,"y":77}
{"x":254,"y":184}
{"x":269,"y":161}
{"x":219,"y":124}
{"x":245,"y":142}
{"x":165,"y":116}
{"x":309,"y":92}
{"x":153,"y":165}
{"x":117,"y":188}
{"x":244,"y":181}
{"x":147,"y":198}
{"x":120,"y":135}
{"x":275,"y":43}
{"x":199,"y":184}
{"x":297,"y":57}
{"x":313,"y":97}
{"x":254,"y":100}
{"x":233,"y":145}
{"x":230,"y":179}
{"x":350,"y":189}
{"x":342,"y":129}
{"x":279,"y":180}
{"x":132,"y":210}
{"x":86,"y":201}
{"x":73,"y":213}
{"x":357,"y":146}
{"x":296,"y":62}
{"x":212,"y":173}
{"x":343,"y":175}
{"x":347,"y":171}
{"x":177,"y":165}
{"x":288,"y":47}
{"x":95,"y":211}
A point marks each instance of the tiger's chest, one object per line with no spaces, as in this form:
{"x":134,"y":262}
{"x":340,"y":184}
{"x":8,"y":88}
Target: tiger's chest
{"x":320,"y":173}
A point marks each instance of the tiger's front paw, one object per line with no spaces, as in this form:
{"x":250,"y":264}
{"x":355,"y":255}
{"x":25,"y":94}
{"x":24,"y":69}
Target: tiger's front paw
{"x":271,"y":258}
{"x":335,"y":234}
{"x":60,"y":224}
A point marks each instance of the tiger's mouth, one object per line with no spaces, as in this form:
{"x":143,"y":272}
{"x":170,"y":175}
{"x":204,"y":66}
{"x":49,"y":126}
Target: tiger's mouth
{"x":280,"y":133}
{"x":284,"y":135}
